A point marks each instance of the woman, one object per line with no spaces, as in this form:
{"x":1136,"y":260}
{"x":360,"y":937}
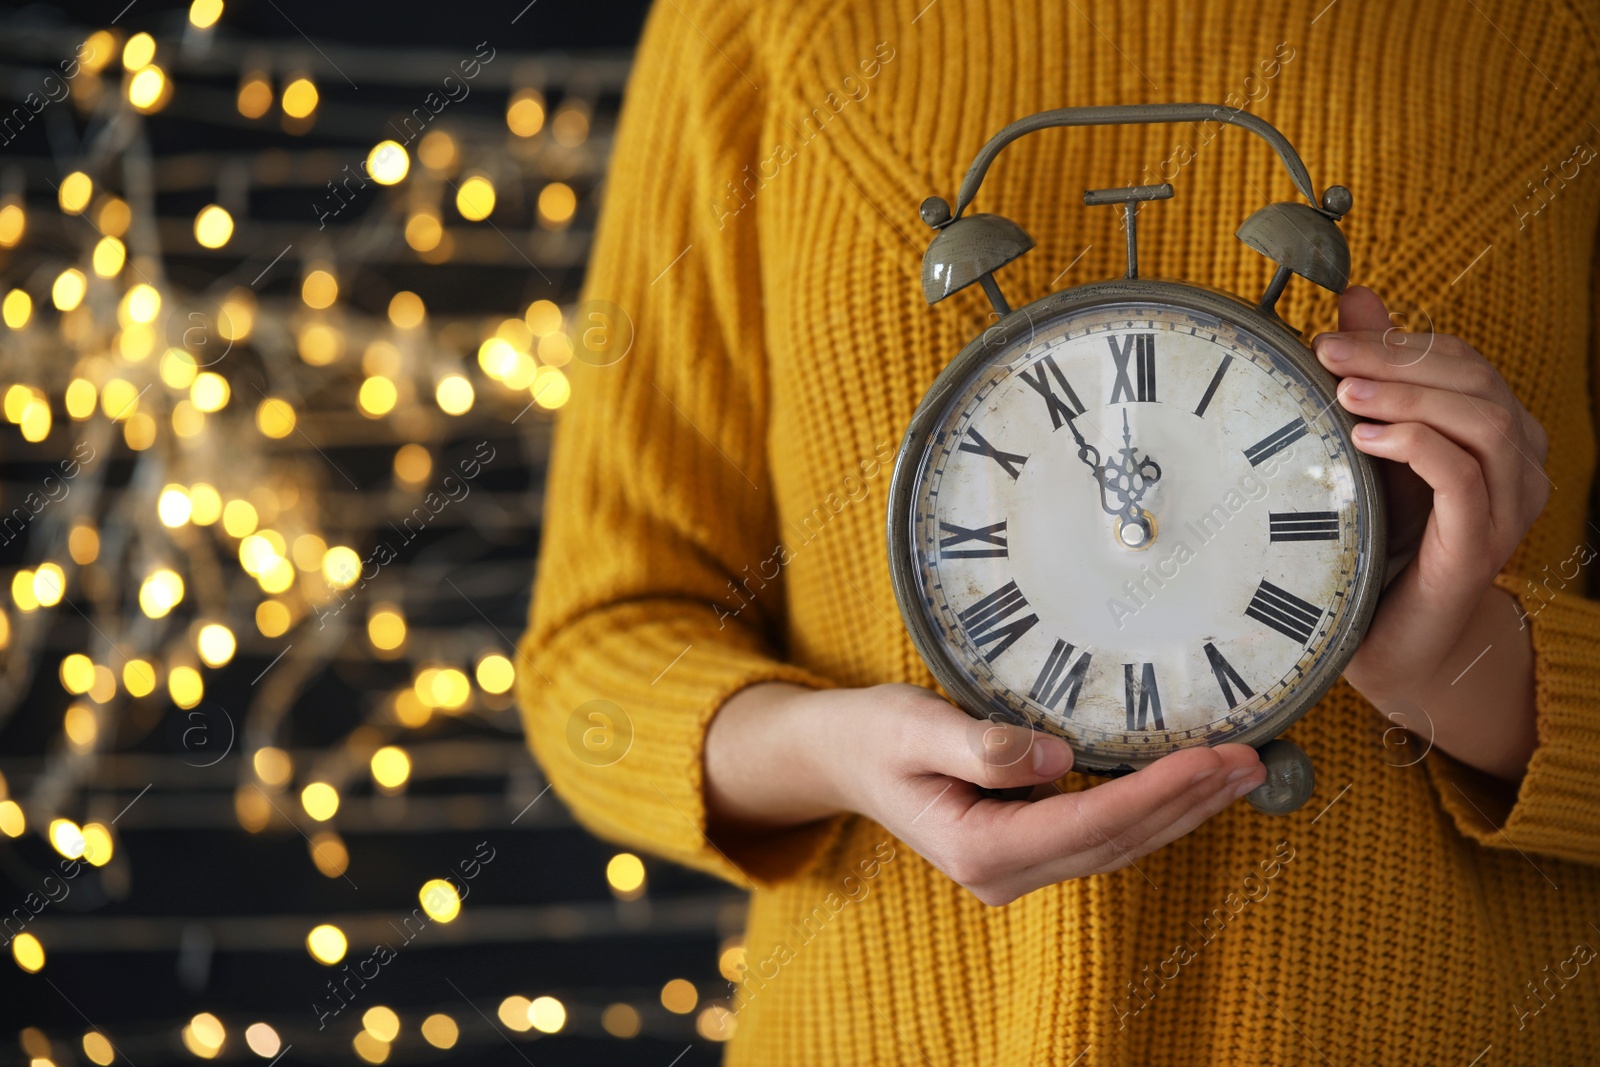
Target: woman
{"x":714,"y":566}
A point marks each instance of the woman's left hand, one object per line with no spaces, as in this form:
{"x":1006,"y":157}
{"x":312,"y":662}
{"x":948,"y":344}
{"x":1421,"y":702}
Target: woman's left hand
{"x":1464,"y":482}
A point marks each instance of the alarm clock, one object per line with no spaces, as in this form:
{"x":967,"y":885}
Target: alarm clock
{"x":1129,"y":514}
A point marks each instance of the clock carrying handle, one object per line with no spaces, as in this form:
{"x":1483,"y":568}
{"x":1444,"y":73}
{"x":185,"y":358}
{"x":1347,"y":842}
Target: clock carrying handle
{"x":1132,"y":115}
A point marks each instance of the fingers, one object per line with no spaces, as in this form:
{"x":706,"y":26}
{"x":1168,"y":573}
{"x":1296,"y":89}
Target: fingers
{"x":1483,"y":429}
{"x":1433,"y":359}
{"x":1002,"y":851}
{"x":993,"y":755}
{"x":1362,"y":309}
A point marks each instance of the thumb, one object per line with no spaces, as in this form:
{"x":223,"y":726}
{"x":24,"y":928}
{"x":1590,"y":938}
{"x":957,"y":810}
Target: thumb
{"x":1361,"y":310}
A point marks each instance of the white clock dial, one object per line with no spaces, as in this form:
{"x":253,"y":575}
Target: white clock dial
{"x":1228,"y":570}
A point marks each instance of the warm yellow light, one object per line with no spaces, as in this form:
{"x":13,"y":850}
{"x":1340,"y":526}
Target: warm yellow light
{"x":27,"y":951}
{"x":66,"y":838}
{"x":731,"y":961}
{"x":388,"y":163}
{"x":17,"y":399}
{"x":625,"y":873}
{"x":273,"y":618}
{"x":262,"y":1039}
{"x":475,"y":198}
{"x":272,"y":765}
{"x":142,"y":303}
{"x":451,"y":690}
{"x":275,"y":417}
{"x":67,"y":292}
{"x":320,"y":800}
{"x":299,"y":98}
{"x":550,"y":388}
{"x":12,"y":822}
{"x":13,"y":222}
{"x":209,"y":392}
{"x":213,"y":226}
{"x":555,"y":349}
{"x":423,"y":231}
{"x":256,"y":554}
{"x":319,"y":290}
{"x":5,"y":639}
{"x":679,"y":996}
{"x":620,"y":1020}
{"x":525,"y":112}
{"x":381,"y":1022}
{"x":547,"y":1015}
{"x":454,"y":394}
{"x":139,"y":431}
{"x":386,"y":627}
{"x":327,"y":944}
{"x":239,"y":518}
{"x":139,"y":677}
{"x":557,"y":202}
{"x":74,"y":192}
{"x":329,"y":853}
{"x":406,"y":309}
{"x":308,"y":551}
{"x":715,"y":1023}
{"x":49,"y":584}
{"x":160,"y":593}
{"x":118,"y":399}
{"x":22,"y":593}
{"x":237,"y":315}
{"x":570,"y":127}
{"x":341,"y":566}
{"x":410,"y":711}
{"x":115,"y":216}
{"x":205,"y":504}
{"x":277,"y":576}
{"x":440,"y":1031}
{"x":440,"y":900}
{"x":80,"y":726}
{"x":514,"y":1013}
{"x":370,"y":1048}
{"x":178,"y":370}
{"x":319,"y":344}
{"x":109,"y":256}
{"x":97,"y":844}
{"x":17,"y":308}
{"x":36,"y":420}
{"x":255,"y":95}
{"x":185,"y":686}
{"x":495,"y":673}
{"x":203,"y":14}
{"x":216,"y":644}
{"x":377,"y":397}
{"x":138,"y":52}
{"x":105,"y":685}
{"x":147,"y":88}
{"x":173,"y":506}
{"x":98,"y":1049}
{"x":412,"y":464}
{"x":391,"y":767}
{"x":497,"y":357}
{"x":77,"y":673}
{"x":437,"y":150}
{"x":80,"y":398}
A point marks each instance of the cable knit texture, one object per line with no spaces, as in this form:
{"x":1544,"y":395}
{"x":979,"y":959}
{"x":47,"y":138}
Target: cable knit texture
{"x":760,"y":229}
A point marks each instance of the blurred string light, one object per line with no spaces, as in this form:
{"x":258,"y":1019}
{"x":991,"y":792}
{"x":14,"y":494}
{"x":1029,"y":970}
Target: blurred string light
{"x":203,"y":14}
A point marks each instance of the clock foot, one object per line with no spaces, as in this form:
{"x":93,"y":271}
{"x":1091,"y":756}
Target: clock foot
{"x":1290,"y":779}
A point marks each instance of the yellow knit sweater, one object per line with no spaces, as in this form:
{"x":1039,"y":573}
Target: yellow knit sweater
{"x":717,"y":505}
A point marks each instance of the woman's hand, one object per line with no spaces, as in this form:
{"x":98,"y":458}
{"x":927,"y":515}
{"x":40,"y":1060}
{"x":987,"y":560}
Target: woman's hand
{"x":778,"y":755}
{"x":1464,"y":480}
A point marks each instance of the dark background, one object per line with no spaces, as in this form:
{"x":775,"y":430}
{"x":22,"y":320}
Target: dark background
{"x":195,"y":913}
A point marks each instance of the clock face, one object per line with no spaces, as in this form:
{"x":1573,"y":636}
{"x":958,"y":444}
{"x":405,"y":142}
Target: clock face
{"x":1139,"y":526}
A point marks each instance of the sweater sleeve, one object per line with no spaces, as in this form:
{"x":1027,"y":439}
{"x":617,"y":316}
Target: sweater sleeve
{"x":658,"y":497}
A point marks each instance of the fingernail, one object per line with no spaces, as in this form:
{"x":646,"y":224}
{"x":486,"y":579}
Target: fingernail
{"x":1333,"y":348}
{"x":1050,"y":758}
{"x":1358,"y":389}
{"x":1368,"y":431}
{"x":1249,"y":785}
{"x":1238,"y":773}
{"x":1209,"y":772}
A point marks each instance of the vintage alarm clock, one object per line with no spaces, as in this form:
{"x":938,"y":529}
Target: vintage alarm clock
{"x":1130,"y":513}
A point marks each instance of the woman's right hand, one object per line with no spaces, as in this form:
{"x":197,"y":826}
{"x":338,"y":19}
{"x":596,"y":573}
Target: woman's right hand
{"x":779,"y":755}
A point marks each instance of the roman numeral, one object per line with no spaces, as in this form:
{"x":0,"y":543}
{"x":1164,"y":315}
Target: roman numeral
{"x":1143,"y":693}
{"x":1225,"y":674}
{"x":1276,"y":441}
{"x":1142,"y":385}
{"x":958,"y":535}
{"x":1304,"y":525}
{"x":1284,"y":612}
{"x":1010,"y":462}
{"x":1051,"y":685}
{"x":1211,"y":389}
{"x":1060,"y":410}
{"x":990,"y":620}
